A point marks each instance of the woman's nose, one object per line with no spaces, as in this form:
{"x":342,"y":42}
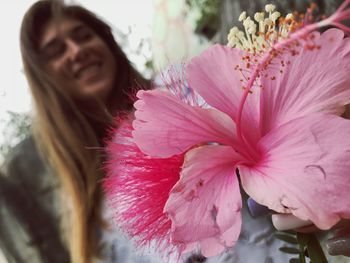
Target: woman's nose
{"x":75,"y":50}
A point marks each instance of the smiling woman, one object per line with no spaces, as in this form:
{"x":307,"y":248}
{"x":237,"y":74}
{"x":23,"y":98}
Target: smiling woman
{"x":80,"y":79}
{"x":78,"y":58}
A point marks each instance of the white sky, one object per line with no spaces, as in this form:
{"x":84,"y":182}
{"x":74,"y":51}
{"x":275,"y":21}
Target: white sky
{"x":14,"y":94}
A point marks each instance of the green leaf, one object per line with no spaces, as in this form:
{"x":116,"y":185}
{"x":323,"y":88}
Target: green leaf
{"x":287,"y":238}
{"x":303,"y":239}
{"x":289,"y":250}
{"x":302,"y":257}
{"x":314,"y":248}
{"x":290,"y":232}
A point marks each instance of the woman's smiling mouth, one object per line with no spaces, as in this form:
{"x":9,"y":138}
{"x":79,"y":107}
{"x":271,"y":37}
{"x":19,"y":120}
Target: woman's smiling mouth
{"x":88,"y":71}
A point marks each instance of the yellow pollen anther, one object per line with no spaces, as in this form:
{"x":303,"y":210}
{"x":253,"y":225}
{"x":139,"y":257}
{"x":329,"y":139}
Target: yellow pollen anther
{"x":275,"y":16}
{"x":247,"y":22}
{"x":290,"y":16}
{"x":270,"y":8}
{"x":259,"y":16}
{"x":242,"y":16}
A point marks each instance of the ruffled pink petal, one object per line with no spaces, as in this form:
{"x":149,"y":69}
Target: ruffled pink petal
{"x":165,"y":126}
{"x":204,"y":205}
{"x":305,"y":170}
{"x":215,"y":77}
{"x":314,"y":81}
{"x":137,"y":188}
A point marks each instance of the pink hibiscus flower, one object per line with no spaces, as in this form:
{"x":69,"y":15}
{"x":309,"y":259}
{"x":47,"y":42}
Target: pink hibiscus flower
{"x":273,"y":116}
{"x":282,"y":132}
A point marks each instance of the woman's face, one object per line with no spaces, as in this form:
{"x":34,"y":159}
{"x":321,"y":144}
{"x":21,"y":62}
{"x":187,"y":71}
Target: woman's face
{"x":78,"y":59}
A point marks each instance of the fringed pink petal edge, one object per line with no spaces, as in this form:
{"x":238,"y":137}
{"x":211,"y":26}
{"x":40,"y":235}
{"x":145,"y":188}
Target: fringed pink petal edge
{"x":137,"y":188}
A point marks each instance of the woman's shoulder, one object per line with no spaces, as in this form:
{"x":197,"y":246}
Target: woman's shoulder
{"x":30,"y":208}
{"x":26,"y":174}
{"x":25,"y":166}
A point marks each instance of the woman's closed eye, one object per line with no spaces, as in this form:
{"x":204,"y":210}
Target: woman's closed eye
{"x":81,"y":34}
{"x":54,"y":49}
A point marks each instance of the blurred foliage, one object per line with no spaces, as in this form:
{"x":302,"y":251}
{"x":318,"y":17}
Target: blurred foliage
{"x":208,"y":22}
{"x":305,"y":246}
{"x":16,"y":128}
{"x":138,"y":47}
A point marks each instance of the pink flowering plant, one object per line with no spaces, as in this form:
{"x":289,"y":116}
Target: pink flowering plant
{"x":271,"y":122}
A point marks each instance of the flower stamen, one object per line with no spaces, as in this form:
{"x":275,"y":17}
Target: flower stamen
{"x":261,"y":33}
{"x":275,"y":38}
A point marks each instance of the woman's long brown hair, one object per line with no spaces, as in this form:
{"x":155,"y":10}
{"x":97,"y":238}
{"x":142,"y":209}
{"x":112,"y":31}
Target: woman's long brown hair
{"x":65,"y":129}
